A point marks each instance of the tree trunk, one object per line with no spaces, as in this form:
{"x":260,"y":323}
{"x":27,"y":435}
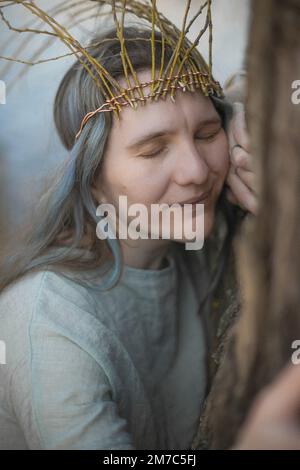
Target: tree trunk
{"x":267,"y":252}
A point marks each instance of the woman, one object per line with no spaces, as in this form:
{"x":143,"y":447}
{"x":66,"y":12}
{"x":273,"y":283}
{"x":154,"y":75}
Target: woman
{"x":106,"y":340}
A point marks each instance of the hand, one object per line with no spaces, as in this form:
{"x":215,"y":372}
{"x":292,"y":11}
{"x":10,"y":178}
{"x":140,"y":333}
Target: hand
{"x":274,"y":420}
{"x":241,"y":178}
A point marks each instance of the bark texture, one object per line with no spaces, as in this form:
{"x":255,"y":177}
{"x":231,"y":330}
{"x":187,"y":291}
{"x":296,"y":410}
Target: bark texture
{"x":267,"y":253}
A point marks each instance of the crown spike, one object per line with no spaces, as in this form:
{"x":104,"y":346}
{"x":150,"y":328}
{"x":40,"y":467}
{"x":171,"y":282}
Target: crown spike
{"x":192,"y":72}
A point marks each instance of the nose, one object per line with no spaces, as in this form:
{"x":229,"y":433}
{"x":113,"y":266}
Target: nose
{"x":190,"y":165}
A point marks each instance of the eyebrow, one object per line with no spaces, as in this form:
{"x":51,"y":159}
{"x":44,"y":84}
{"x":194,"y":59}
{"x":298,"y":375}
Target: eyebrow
{"x":148,"y":137}
{"x":162,"y":133}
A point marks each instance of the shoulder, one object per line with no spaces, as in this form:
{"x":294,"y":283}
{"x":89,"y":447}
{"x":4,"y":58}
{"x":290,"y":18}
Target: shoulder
{"x":45,"y":304}
{"x":52,"y":289}
{"x":18,"y":298}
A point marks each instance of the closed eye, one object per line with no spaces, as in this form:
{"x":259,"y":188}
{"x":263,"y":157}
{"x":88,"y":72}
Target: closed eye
{"x":210,"y":136}
{"x":155,"y":154}
{"x":207,"y":138}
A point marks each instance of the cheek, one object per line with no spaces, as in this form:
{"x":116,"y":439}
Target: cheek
{"x":148,"y":182}
{"x":114,"y":177}
{"x":139,"y":180}
{"x":219,"y":156}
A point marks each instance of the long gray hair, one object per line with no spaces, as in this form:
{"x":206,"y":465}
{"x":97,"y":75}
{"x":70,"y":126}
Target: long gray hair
{"x":65,"y":219}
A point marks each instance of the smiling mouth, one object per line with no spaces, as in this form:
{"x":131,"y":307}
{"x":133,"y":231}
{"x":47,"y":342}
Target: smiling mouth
{"x":199,"y":200}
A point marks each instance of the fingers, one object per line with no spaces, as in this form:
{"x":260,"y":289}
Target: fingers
{"x":240,"y":158}
{"x":282,"y":396}
{"x":248,"y":178}
{"x":230,"y":196}
{"x":241,"y":177}
{"x":245,"y":197}
{"x":274,"y":419}
{"x":239,"y":128}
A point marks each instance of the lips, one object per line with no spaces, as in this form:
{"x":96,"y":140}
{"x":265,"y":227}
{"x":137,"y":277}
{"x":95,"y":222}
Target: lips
{"x":202,"y":197}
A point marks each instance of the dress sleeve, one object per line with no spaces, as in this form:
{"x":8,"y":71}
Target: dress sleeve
{"x":70,"y":400}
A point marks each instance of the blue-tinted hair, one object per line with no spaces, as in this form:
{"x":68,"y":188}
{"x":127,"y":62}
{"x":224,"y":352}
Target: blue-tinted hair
{"x":62,"y":237}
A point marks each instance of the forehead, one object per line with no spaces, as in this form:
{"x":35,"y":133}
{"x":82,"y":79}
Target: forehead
{"x":188,"y":109}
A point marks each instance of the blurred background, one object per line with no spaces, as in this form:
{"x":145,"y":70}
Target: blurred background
{"x":29,"y":146}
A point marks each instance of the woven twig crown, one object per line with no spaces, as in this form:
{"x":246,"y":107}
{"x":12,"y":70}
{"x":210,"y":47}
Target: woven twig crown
{"x":186,"y":70}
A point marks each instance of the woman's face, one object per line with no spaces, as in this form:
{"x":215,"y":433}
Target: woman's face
{"x":166,"y":152}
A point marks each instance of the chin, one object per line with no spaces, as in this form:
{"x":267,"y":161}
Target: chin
{"x":209,"y":219}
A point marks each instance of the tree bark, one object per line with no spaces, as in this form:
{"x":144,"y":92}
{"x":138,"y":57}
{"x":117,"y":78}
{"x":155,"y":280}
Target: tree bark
{"x":267,"y":252}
